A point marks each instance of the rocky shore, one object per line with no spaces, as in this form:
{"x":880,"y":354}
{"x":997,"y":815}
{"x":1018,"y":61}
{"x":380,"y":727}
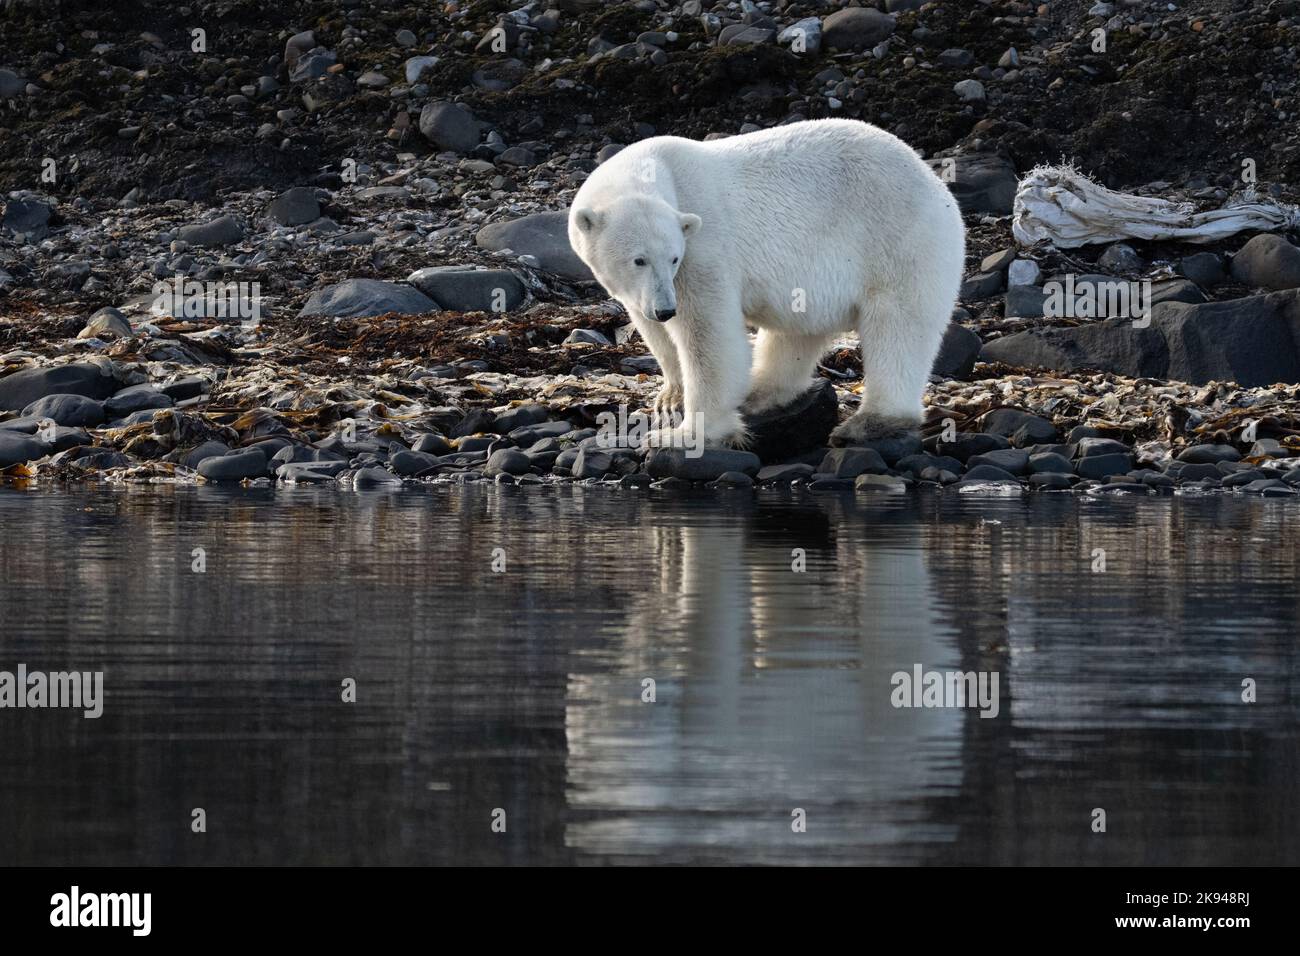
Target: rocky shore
{"x":325,"y":242}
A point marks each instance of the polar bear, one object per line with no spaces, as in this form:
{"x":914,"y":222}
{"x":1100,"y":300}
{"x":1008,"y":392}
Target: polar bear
{"x":802,"y":232}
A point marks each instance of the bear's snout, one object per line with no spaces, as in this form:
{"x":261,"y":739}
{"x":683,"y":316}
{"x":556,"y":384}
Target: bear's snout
{"x":663,"y":315}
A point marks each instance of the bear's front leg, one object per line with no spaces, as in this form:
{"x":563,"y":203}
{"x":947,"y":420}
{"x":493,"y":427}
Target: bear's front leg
{"x":714,"y":354}
{"x":669,"y":402}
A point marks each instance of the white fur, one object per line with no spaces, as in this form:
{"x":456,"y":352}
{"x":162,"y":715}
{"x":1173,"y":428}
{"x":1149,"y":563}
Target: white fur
{"x":837,"y":215}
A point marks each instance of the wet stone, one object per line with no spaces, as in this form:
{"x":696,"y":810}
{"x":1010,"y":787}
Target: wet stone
{"x":233,"y":467}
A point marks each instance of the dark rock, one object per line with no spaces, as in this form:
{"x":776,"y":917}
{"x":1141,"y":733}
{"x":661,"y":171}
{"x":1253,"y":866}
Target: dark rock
{"x":411,"y":463}
{"x":1050,"y":462}
{"x":1019,"y":426}
{"x":184,"y":388}
{"x":1267,"y":262}
{"x":851,"y":462}
{"x":236,"y":466}
{"x":67,"y":410}
{"x":1013,"y":460}
{"x":831,"y":484}
{"x":209,"y":449}
{"x":916,"y":465}
{"x":92,"y":458}
{"x":1090,"y":447}
{"x":432,"y":445}
{"x":310,"y":472}
{"x":373,"y":477}
{"x":592,"y":463}
{"x":1204,"y":268}
{"x":784,"y":474}
{"x":509,"y":461}
{"x":1251,"y":341}
{"x":675,"y":463}
{"x":222,"y":231}
{"x":1120,"y":257}
{"x":519,"y":417}
{"x":1176,"y":290}
{"x":1195,"y":472}
{"x":294,"y":207}
{"x":358,"y":298}
{"x":27,"y":217}
{"x":781,"y":433}
{"x":1208,"y":454}
{"x":966,"y":444}
{"x":465,"y":289}
{"x":733,"y":479}
{"x":20,"y":389}
{"x":988,"y":473}
{"x":1023,"y":301}
{"x":544,"y":236}
{"x":982,"y":285}
{"x":957,"y":354}
{"x":16,"y":448}
{"x":982,"y":182}
{"x":894,"y":449}
{"x":1100,"y":466}
{"x":1051,"y":481}
{"x":136,"y":398}
{"x":855,"y":29}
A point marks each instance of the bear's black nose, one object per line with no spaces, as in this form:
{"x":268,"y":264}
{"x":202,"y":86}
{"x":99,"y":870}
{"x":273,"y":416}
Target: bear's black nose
{"x":663,"y":315}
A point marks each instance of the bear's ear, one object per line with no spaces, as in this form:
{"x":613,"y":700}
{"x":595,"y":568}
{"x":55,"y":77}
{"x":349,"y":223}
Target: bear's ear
{"x":588,"y":219}
{"x":690,"y":223}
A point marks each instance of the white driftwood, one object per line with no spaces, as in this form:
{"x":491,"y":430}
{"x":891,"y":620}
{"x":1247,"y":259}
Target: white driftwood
{"x":1060,"y":205}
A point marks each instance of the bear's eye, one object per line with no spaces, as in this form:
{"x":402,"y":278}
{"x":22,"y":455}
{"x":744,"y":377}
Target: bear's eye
{"x":674,"y":260}
{"x":638,"y":261}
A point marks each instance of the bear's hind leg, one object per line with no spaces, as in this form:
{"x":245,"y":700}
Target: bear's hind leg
{"x":898,"y":350}
{"x":784,"y":363}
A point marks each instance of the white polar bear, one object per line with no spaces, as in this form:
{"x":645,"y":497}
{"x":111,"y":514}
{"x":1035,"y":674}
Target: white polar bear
{"x":803,"y":232}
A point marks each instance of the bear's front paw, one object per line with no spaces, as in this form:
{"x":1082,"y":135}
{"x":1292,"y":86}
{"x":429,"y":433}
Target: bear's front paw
{"x":861,"y":429}
{"x":670,"y":400}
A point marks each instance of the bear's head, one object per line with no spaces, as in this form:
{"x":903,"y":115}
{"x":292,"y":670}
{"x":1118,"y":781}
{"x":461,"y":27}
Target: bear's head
{"x":634,"y":246}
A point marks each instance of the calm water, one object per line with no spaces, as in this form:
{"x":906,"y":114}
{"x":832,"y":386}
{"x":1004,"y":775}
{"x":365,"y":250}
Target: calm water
{"x":522,"y":689}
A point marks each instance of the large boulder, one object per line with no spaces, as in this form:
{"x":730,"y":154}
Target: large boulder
{"x":1251,"y":341}
{"x":27,"y":217}
{"x":21,"y":389}
{"x":957,"y":353}
{"x":450,"y":126}
{"x":221,"y":231}
{"x":857,"y":28}
{"x":294,"y":206}
{"x":982,"y":182}
{"x":358,"y":298}
{"x":544,"y":236}
{"x":67,"y":410}
{"x":466,"y":289}
{"x":16,"y":448}
{"x":707,"y":465}
{"x":1267,"y":262}
{"x":797,"y":426}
